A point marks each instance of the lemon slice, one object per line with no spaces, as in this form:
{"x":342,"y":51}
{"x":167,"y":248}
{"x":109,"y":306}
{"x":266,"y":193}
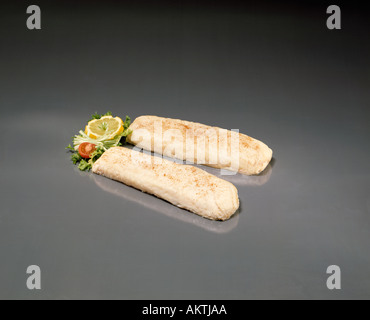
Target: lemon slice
{"x":105,"y":126}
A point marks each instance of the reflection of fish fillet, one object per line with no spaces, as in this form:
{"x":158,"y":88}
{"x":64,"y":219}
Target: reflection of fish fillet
{"x":190,"y":138}
{"x":184,"y":186}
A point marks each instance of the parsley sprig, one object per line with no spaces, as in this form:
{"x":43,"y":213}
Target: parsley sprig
{"x":97,"y":116}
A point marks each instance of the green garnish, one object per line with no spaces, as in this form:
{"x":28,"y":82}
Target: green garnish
{"x":102,"y":143}
{"x":76,"y":158}
{"x":99,"y":116}
{"x":84,"y":165}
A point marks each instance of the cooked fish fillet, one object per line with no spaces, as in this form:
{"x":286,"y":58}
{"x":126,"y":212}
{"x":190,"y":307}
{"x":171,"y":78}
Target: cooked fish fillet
{"x":201,"y":144}
{"x":182,"y":185}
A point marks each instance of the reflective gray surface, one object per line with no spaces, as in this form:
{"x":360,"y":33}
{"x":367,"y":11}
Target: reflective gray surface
{"x":275,"y":73}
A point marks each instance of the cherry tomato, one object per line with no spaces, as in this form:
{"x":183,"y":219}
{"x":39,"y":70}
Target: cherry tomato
{"x":86,"y":149}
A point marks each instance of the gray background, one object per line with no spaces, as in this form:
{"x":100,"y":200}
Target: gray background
{"x":273,"y":71}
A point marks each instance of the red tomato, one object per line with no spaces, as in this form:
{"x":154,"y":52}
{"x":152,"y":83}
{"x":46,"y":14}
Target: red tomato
{"x":86,"y":149}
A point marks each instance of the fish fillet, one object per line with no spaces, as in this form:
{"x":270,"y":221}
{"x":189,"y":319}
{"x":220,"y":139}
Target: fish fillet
{"x":201,"y":144}
{"x":184,"y":186}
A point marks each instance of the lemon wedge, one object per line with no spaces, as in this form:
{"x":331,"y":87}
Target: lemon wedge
{"x":106,"y":126}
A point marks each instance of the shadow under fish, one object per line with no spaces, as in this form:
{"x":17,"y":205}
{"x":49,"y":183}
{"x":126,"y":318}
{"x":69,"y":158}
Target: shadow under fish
{"x":241,"y":179}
